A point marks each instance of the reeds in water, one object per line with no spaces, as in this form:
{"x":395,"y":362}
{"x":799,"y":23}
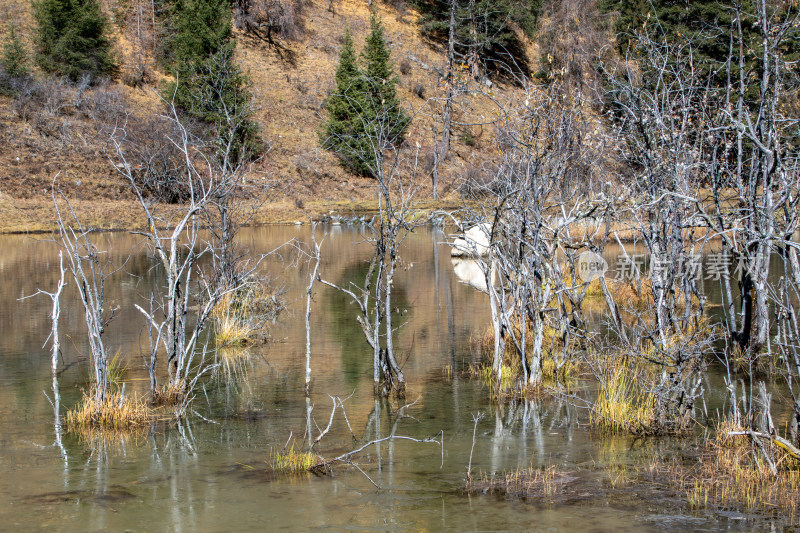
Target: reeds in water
{"x":116,"y":411}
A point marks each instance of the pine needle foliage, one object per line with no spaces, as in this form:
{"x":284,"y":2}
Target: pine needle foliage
{"x":365,"y":115}
{"x":209,"y":85}
{"x":217,"y":92}
{"x":15,"y":56}
{"x":486,"y":31}
{"x":72,"y":39}
{"x":195,"y":30}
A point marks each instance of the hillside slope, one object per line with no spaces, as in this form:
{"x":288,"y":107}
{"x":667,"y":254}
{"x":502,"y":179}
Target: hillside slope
{"x":54,"y":129}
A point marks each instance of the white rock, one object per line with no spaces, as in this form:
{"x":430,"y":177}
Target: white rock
{"x":474,"y":243}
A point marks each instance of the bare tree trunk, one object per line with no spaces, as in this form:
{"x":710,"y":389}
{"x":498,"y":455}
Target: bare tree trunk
{"x":401,"y":380}
{"x":310,"y":287}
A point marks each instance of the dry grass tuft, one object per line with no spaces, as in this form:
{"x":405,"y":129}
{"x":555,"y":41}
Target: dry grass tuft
{"x":733,"y":474}
{"x":291,"y":460}
{"x":527,"y":482}
{"x":168,"y":394}
{"x":622,"y":405}
{"x":240,"y":316}
{"x":115,"y":412}
{"x":231,"y":330}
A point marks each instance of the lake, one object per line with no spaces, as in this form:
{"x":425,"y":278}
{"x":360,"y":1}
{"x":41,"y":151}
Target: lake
{"x":208,"y":472}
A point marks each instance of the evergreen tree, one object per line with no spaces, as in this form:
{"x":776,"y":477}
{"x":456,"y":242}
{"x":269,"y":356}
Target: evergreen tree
{"x":216,"y":92}
{"x":196,"y":30}
{"x":15,"y":56}
{"x":71,"y":38}
{"x":382,"y":106}
{"x":695,"y":21}
{"x":365,"y":114}
{"x":483,"y":29}
{"x":209,"y":85}
{"x":345,"y":106}
{"x":706,"y":25}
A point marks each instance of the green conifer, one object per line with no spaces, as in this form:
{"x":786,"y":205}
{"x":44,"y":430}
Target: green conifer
{"x":71,"y":38}
{"x":15,"y":57}
{"x":209,"y":85}
{"x":343,"y":130}
{"x":384,"y":120}
{"x":196,"y":30}
{"x":216,"y":92}
{"x":365,"y":114}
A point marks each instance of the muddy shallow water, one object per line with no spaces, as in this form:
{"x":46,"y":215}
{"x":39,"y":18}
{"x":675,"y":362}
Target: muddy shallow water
{"x":211,"y":476}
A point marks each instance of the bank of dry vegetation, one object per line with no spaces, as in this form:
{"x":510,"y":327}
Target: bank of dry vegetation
{"x":55,"y":127}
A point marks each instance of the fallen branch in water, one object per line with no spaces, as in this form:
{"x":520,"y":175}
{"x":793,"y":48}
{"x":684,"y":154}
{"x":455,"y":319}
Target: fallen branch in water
{"x":780,"y":442}
{"x":337,"y":402}
{"x":346,"y":457}
{"x":324,"y":465}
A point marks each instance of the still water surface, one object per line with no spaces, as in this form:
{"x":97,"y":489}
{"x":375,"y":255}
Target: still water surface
{"x":210,"y":476}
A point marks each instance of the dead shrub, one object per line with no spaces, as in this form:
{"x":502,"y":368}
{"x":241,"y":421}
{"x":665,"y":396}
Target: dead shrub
{"x":159,"y":167}
{"x":268,"y":19}
{"x":475,"y":181}
{"x":419,"y":90}
{"x":405,"y":67}
{"x":105,"y":104}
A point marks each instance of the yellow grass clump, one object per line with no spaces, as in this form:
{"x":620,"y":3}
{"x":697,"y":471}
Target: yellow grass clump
{"x":240,"y":315}
{"x":291,"y":460}
{"x":734,"y":474}
{"x":230,"y":330}
{"x":115,"y":412}
{"x":621,"y":404}
{"x":528,"y":482}
{"x":553,"y":374}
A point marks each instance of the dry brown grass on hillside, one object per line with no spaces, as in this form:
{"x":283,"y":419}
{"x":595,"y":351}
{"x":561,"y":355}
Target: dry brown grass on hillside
{"x":39,"y":141}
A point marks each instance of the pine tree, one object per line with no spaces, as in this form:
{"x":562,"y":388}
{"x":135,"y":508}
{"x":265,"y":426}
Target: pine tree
{"x":345,"y":106}
{"x":209,"y":85}
{"x":706,"y":25}
{"x":365,"y":114}
{"x":382,"y":106}
{"x":682,"y":21}
{"x":196,"y":30}
{"x":484,"y":29}
{"x":71,"y":38}
{"x":217,"y":93}
{"x":15,"y":57}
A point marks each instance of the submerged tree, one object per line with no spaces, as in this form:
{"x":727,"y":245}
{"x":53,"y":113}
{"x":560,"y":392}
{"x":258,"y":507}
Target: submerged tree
{"x":393,"y":165}
{"x":179,"y":311}
{"x":72,"y":38}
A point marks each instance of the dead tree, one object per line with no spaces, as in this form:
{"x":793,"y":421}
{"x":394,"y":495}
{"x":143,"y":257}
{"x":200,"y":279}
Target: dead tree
{"x":88,"y":269}
{"x":394,"y":167}
{"x":753,"y":169}
{"x":534,"y":229}
{"x":179,"y":310}
{"x":55,"y":352}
